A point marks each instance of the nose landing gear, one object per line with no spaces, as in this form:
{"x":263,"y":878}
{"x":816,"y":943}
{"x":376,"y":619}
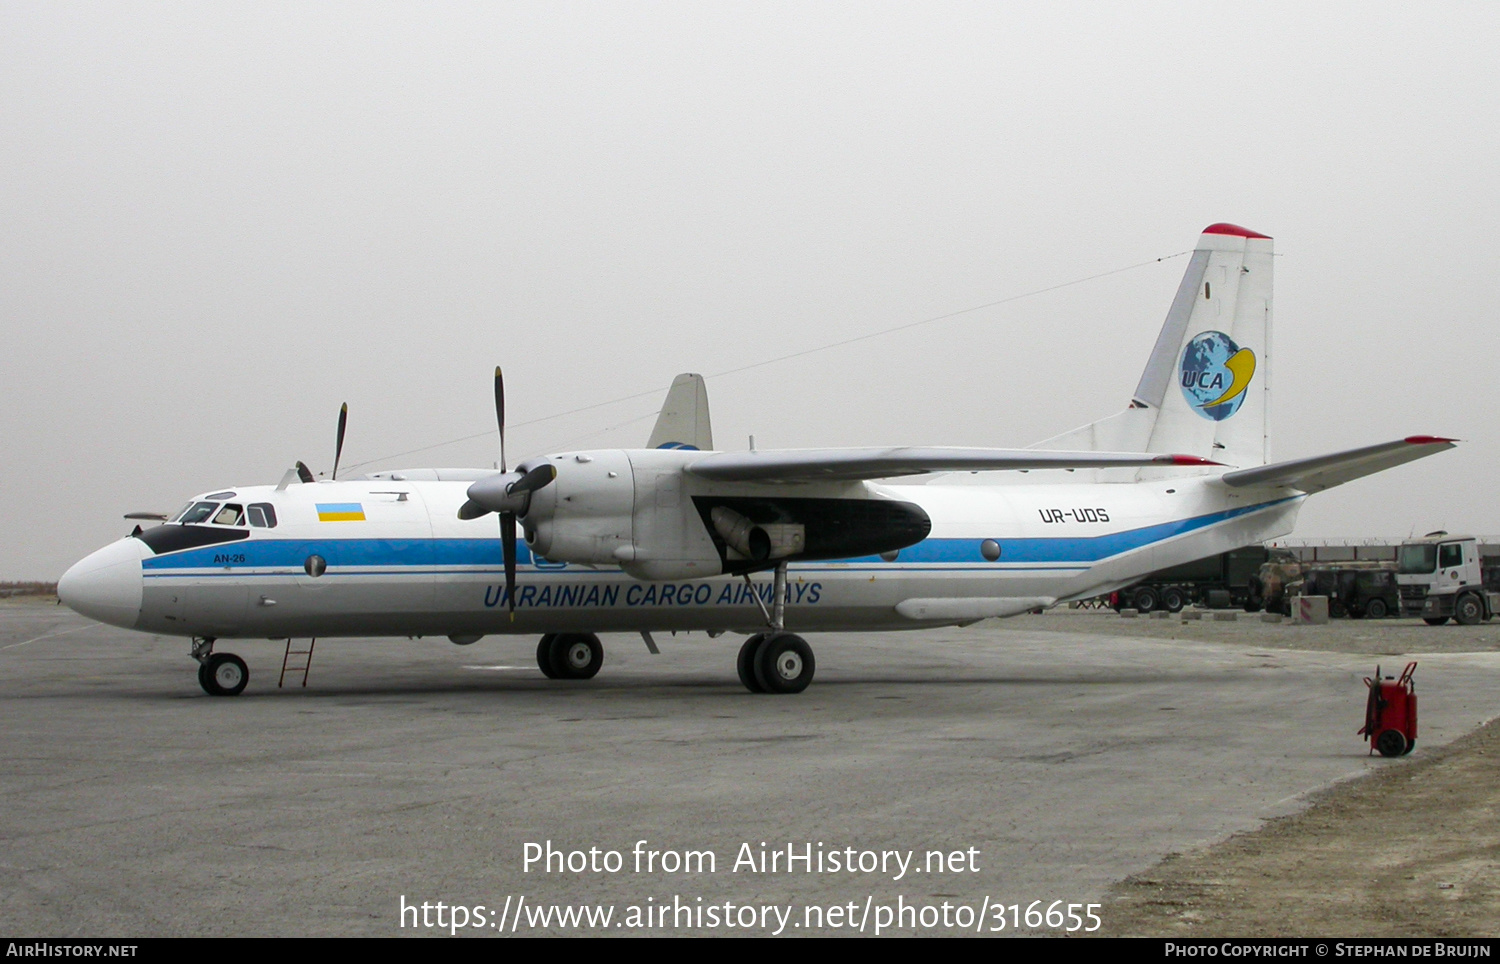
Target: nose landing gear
{"x":220,"y":674}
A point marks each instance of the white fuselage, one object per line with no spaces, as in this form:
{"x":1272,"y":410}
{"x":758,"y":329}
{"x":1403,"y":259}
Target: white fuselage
{"x":405,"y":564}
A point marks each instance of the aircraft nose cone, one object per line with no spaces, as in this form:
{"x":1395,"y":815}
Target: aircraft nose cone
{"x":107,"y":584}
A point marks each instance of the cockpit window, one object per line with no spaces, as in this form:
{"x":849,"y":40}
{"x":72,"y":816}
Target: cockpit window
{"x":262,"y":515}
{"x":230,"y":515}
{"x":198,"y":512}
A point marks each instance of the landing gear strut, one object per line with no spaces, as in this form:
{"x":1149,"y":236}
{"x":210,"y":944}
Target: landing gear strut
{"x":220,"y":674}
{"x":777,"y":661}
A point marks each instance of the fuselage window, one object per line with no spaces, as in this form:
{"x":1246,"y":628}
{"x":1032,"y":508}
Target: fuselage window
{"x":198,"y":512}
{"x":230,"y":515}
{"x":263,"y":515}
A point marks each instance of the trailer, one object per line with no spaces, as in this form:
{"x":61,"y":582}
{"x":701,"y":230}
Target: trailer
{"x":1229,"y":579}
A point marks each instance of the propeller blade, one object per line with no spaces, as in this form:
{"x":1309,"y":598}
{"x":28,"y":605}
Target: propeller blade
{"x":338,"y":446}
{"x":472,"y":510}
{"x":153,"y":516}
{"x":533,"y":480}
{"x":508,"y":547}
{"x":303,"y":472}
{"x":500,"y":413}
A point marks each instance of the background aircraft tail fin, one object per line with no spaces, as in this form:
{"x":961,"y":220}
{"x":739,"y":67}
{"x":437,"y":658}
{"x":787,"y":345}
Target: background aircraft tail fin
{"x":683,"y":422}
{"x":1206,"y":389}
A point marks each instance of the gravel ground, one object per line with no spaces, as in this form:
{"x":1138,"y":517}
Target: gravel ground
{"x":1411,"y":851}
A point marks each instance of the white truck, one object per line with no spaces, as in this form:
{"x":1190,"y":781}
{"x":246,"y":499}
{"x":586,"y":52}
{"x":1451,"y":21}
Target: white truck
{"x":1442,"y":578}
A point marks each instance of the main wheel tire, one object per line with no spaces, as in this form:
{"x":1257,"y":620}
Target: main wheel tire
{"x":576,"y":655}
{"x":223,"y":674}
{"x":1390,"y":743}
{"x":544,"y":655}
{"x":1377,"y":609}
{"x":1434,"y":620}
{"x":1173,"y":600}
{"x":1145,"y":600}
{"x":745,"y":663}
{"x":784,"y":664}
{"x":1468,"y":610}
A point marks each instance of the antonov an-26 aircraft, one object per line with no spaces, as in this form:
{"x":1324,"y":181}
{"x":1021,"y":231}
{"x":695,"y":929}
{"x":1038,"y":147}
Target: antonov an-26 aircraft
{"x":677,"y":536}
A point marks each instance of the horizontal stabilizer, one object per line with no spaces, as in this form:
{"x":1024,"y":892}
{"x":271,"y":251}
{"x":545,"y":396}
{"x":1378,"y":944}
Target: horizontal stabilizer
{"x":1325,"y":471}
{"x":816,"y":465}
{"x":971,"y":610}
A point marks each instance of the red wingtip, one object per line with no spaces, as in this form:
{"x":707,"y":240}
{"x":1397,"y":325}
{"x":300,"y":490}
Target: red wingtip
{"x":1428,"y":440}
{"x":1235,"y":230}
{"x":1187,"y":460}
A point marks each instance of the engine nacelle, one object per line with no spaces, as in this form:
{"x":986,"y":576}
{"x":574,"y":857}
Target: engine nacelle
{"x":639,"y":510}
{"x":585,"y":515}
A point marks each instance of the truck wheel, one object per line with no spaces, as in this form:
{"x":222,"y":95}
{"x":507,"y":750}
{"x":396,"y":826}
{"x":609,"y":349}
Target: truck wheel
{"x":1434,"y":620}
{"x":1376,"y":609}
{"x":1173,"y":600}
{"x":1468,"y":610}
{"x":1145,"y":599}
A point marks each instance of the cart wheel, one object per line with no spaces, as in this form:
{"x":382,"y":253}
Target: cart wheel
{"x":1410,"y":745}
{"x":1390,"y":743}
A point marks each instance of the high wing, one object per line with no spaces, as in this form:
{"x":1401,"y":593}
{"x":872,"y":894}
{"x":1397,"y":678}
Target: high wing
{"x":817,"y":465}
{"x":1325,"y":471}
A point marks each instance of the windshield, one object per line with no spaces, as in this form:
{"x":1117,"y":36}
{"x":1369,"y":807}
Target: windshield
{"x":1416,"y":559}
{"x":198,"y":512}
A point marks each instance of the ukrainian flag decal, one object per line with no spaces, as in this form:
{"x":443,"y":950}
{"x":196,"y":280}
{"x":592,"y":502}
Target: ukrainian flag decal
{"x":340,"y":512}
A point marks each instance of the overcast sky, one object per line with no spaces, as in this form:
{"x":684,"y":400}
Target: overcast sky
{"x":219,"y":221}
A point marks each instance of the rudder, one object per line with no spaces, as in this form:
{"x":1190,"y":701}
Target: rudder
{"x":1206,"y":389}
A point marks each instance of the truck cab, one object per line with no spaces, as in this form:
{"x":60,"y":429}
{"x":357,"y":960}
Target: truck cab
{"x":1441,"y":578}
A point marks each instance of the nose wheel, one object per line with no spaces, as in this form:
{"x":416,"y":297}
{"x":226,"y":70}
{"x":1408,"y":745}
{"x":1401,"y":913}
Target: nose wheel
{"x":223,"y":674}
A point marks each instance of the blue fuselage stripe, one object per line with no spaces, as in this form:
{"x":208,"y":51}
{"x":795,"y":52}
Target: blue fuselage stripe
{"x":425,"y":555}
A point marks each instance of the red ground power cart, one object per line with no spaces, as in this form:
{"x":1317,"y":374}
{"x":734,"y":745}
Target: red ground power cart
{"x":1391,"y":713}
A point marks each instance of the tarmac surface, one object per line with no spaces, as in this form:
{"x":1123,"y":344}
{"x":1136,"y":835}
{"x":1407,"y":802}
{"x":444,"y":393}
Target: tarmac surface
{"x":1047,"y":758}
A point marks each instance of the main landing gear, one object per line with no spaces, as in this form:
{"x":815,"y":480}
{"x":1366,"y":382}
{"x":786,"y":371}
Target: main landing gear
{"x":570,"y":655}
{"x":776,"y":661}
{"x":220,"y":674}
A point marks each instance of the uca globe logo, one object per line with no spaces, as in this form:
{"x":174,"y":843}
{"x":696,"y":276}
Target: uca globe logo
{"x":1215,"y":374}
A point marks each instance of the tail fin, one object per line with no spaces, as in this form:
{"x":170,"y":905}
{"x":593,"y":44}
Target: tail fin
{"x":683,"y":422}
{"x":1206,"y":389}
